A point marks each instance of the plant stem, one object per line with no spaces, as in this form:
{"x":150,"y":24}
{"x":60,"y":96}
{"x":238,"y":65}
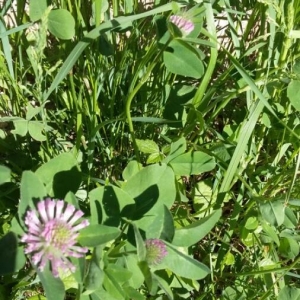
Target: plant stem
{"x":213,"y":57}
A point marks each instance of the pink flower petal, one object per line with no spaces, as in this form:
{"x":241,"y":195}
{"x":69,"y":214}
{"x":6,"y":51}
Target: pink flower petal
{"x":83,"y":224}
{"x":76,"y":217}
{"x":31,"y":217}
{"x":186,"y":26}
{"x":68,"y":212}
{"x":59,"y":208}
{"x":42,"y":210}
{"x":51,"y":235}
{"x":50,"y":208}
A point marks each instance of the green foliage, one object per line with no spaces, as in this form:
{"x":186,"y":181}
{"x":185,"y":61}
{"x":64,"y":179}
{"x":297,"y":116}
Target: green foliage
{"x":182,"y":59}
{"x":162,"y":226}
{"x":289,"y":293}
{"x":97,"y":234}
{"x":37,"y":9}
{"x":12,"y":257}
{"x":60,"y":175}
{"x":61,"y":24}
{"x":60,"y":21}
{"x":192,"y":163}
{"x":293,"y":87}
{"x":4,"y":174}
{"x":193,"y":140}
{"x":191,"y":234}
{"x":273,"y":212}
{"x":31,"y":190}
{"x":54,"y":287}
{"x":183,"y":265}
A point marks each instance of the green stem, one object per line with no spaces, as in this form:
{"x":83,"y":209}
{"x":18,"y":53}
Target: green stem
{"x":98,"y":6}
{"x":115,"y":8}
{"x":289,"y":22}
{"x":213,"y":57}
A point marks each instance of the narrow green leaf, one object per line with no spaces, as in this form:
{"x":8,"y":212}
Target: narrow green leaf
{"x":147,"y":274}
{"x":248,"y":126}
{"x":211,"y":27}
{"x":190,"y":235}
{"x":151,"y":120}
{"x":242,"y":142}
{"x":6,"y":50}
{"x":14,"y":30}
{"x":95,"y":235}
{"x":140,"y":244}
{"x":183,"y":265}
{"x":162,"y":226}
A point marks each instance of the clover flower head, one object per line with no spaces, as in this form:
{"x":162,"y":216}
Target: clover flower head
{"x":186,"y":26}
{"x":156,"y":251}
{"x":51,"y":235}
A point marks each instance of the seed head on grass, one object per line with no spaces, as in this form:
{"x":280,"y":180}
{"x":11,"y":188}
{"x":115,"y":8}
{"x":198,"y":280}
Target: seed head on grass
{"x":52,"y":233}
{"x":186,"y":26}
{"x":156,"y":251}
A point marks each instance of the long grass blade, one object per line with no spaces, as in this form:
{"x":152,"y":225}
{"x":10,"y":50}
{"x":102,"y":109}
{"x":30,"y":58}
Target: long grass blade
{"x":7,"y":50}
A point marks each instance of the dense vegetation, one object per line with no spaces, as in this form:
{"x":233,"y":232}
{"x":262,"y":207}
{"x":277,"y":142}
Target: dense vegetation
{"x":177,"y":137}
